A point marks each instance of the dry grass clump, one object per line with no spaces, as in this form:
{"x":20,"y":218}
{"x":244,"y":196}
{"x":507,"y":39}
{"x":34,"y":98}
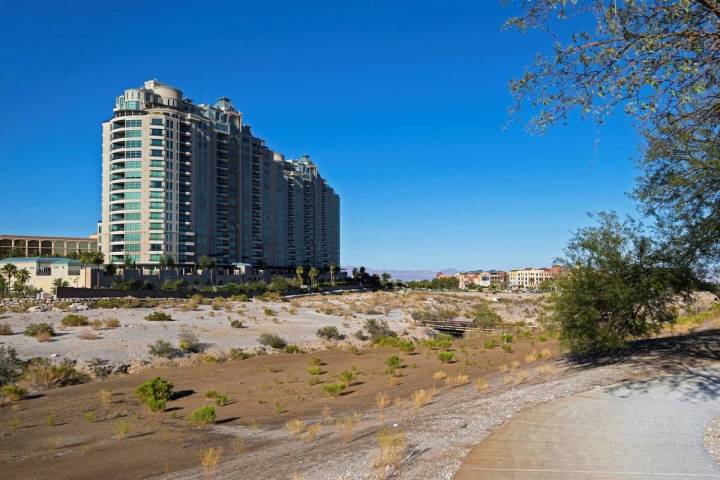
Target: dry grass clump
{"x":238,"y":444}
{"x":392,"y":450}
{"x":457,"y":380}
{"x":507,"y":379}
{"x":43,"y":337}
{"x":346,"y":426}
{"x":53,"y":442}
{"x":122,"y":428}
{"x":440,"y":375}
{"x":383,"y":400}
{"x":89,"y":334}
{"x":481,"y":384}
{"x":504,"y":367}
{"x":422,"y":397}
{"x":106,"y":396}
{"x":520,"y":376}
{"x":531,"y":357}
{"x":546,"y":353}
{"x":209,"y":459}
{"x":514,"y":365}
{"x":327,"y":415}
{"x":312,"y":432}
{"x":546,"y":370}
{"x":295,"y":426}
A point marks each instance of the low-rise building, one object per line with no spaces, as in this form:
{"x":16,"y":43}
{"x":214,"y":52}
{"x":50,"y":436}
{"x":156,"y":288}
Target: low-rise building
{"x":482,"y":278}
{"x":531,"y":278}
{"x":45,"y":245}
{"x":43,"y":271}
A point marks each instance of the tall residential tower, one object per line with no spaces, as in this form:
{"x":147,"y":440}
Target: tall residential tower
{"x":190,"y":180}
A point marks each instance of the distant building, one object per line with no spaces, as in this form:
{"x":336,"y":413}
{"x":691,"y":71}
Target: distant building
{"x":531,"y":278}
{"x":482,"y":278}
{"x":45,"y":245}
{"x":45,"y":270}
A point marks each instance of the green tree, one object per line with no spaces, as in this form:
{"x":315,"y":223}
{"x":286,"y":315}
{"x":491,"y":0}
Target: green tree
{"x":313,"y":274}
{"x":207,"y":263}
{"x":129,"y":262}
{"x":167,"y":261}
{"x":59,"y":283}
{"x":9,"y":270}
{"x":22,"y":276}
{"x":3,"y":284}
{"x":620,"y":285}
{"x":92,"y":258}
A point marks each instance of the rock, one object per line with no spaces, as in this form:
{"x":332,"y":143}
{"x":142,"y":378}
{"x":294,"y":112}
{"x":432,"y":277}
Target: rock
{"x":78,"y":307}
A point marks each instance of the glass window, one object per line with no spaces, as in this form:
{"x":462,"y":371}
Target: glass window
{"x":132,"y":185}
{"x":132,"y":105}
{"x":156,"y":121}
{"x":133,"y":133}
{"x":132,"y":226}
{"x":156,"y":236}
{"x":156,"y":142}
{"x":157,"y":205}
{"x":133,"y":196}
{"x":157,"y":173}
{"x":156,"y":226}
{"x":132,"y":247}
{"x":132,"y":164}
{"x":156,"y":153}
{"x":156,"y":163}
{"x":133,"y":154}
{"x":133,"y":144}
{"x":132,"y":216}
{"x":135,"y":237}
{"x":156,"y":132}
{"x":156,"y":184}
{"x":133,"y":123}
{"x":133,"y":174}
{"x":155,"y":258}
{"x":156,"y":247}
{"x":156,"y":216}
{"x":156,"y":194}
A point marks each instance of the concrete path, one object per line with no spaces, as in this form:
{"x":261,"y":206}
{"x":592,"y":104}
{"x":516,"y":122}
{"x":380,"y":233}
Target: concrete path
{"x":638,"y":430}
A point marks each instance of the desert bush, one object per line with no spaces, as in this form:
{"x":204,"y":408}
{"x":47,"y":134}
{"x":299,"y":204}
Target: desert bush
{"x":531,"y":357}
{"x":546,"y":353}
{"x":292,"y":349}
{"x":10,"y":365}
{"x":90,"y":417}
{"x":111,"y":323}
{"x":360,"y":335}
{"x":239,"y":354}
{"x":440,"y":341}
{"x":88,"y":334}
{"x":209,"y":459}
{"x":41,"y":374}
{"x":490,"y":344}
{"x":346,"y":426}
{"x":329,"y":332}
{"x":12,"y":392}
{"x":385,"y":341}
{"x":236,"y":324}
{"x":99,"y":368}
{"x":382,"y":400}
{"x":406,"y":346}
{"x":334,"y":389}
{"x":507,"y":348}
{"x":272,"y":340}
{"x":393,"y":363}
{"x":315,"y":362}
{"x":155,"y":393}
{"x":440,"y":375}
{"x":37,"y":329}
{"x":514,"y":365}
{"x":315,"y":370}
{"x":189,"y":342}
{"x":158,"y":317}
{"x":348,"y":377}
{"x":269,"y":312}
{"x":163,"y":348}
{"x":75,"y":320}
{"x":446,"y":357}
{"x":5,"y":329}
{"x":240,"y":297}
{"x":105,"y":396}
{"x":543,"y":338}
{"x":506,"y":338}
{"x":312,"y":432}
{"x":378,"y":328}
{"x":220,"y":399}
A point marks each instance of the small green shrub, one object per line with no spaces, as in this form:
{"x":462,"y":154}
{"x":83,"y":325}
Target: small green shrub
{"x":393,"y":363}
{"x":334,"y":389}
{"x":292,"y":349}
{"x":329,"y":332}
{"x":239,"y":354}
{"x":155,"y":393}
{"x":378,"y":328}
{"x":41,"y":374}
{"x":315,"y":361}
{"x":37,"y":329}
{"x":203,"y":415}
{"x":506,"y":338}
{"x":543,"y":338}
{"x":12,"y":393}
{"x":490,"y":344}
{"x":163,"y":348}
{"x":269,"y":312}
{"x":158,"y":317}
{"x":441,"y":341}
{"x":220,"y":399}
{"x":189,"y":342}
{"x":386,"y":341}
{"x":272,"y":340}
{"x":75,"y":320}
{"x":507,"y":348}
{"x":348,"y":376}
{"x":315,"y":370}
{"x":446,"y":357}
{"x":406,"y":346}
{"x":236,"y":324}
{"x":111,"y":323}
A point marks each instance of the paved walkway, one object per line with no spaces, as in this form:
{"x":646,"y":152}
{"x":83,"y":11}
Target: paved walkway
{"x":640,"y":430}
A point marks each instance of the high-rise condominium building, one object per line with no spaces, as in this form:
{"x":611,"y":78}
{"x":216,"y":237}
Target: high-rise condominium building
{"x":189,"y":180}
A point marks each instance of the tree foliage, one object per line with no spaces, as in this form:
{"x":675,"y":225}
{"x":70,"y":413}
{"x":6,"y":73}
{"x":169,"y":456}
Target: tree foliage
{"x":621,"y":285}
{"x":658,"y":59}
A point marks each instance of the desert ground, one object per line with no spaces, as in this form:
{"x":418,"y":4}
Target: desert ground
{"x":417,"y":420}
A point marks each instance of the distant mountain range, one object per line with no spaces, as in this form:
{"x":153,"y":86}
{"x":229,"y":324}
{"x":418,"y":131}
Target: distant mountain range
{"x":405,"y":275}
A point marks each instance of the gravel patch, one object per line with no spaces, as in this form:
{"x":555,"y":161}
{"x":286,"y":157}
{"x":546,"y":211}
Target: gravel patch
{"x":712,"y":438}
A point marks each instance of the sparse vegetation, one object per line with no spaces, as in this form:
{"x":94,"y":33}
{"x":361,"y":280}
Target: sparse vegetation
{"x":38,"y":329}
{"x":210,"y":458}
{"x":446,"y":357}
{"x":295,"y":426}
{"x":75,"y":320}
{"x":5,"y":329}
{"x":203,"y":415}
{"x":330,"y":332}
{"x":236,"y":324}
{"x":162,"y":348}
{"x":392,"y":449}
{"x":292,"y":349}
{"x":122,"y":428}
{"x":421,"y":397}
{"x":12,"y":393}
{"x":158,"y":317}
{"x":457,"y":380}
{"x":272,"y":340}
{"x":334,"y":389}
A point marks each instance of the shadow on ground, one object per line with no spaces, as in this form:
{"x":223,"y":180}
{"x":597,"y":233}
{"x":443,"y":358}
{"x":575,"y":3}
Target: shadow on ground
{"x":687,"y":365}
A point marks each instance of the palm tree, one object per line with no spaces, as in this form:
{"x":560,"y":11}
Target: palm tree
{"x":299,"y":273}
{"x":93,"y":258}
{"x":313,"y":274}
{"x":167,"y":261}
{"x":332,"y":274}
{"x":59,"y":283}
{"x":207,"y":263}
{"x":9,"y":270}
{"x":22,"y":276}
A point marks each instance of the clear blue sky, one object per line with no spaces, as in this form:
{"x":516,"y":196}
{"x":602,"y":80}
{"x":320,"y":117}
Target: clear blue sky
{"x":401,"y":104}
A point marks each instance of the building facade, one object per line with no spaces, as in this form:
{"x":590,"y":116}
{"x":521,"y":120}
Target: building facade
{"x":190,"y":180}
{"x":46,"y":246}
{"x":43,"y":271}
{"x":483,"y":278}
{"x":531,"y":278}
